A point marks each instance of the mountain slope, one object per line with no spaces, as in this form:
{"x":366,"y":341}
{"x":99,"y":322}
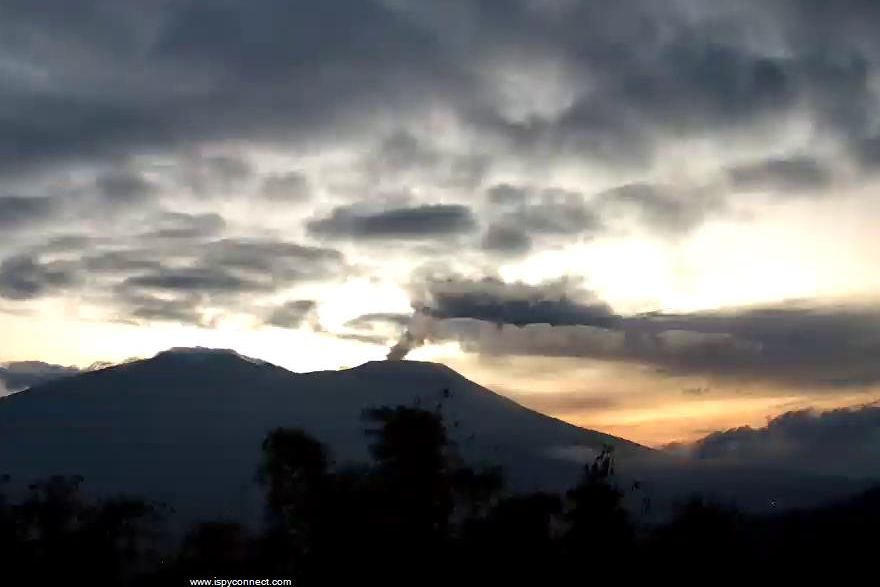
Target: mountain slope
{"x":185,"y":427}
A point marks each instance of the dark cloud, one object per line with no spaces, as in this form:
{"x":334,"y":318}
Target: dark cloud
{"x":506,"y":240}
{"x":24,"y":278}
{"x":176,"y":278}
{"x":838,"y":442}
{"x":121,"y":262}
{"x":798,"y":175}
{"x":492,"y":300}
{"x":291,"y":314}
{"x":200,"y":279}
{"x":171,"y":75}
{"x":18,"y":375}
{"x":140,"y":306}
{"x":867,"y":153}
{"x":125,"y":188}
{"x":21,"y":211}
{"x":222,"y":273}
{"x":422,"y":222}
{"x":807,"y":344}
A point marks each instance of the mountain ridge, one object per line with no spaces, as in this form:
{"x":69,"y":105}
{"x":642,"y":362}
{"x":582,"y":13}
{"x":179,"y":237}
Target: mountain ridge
{"x":185,"y":428}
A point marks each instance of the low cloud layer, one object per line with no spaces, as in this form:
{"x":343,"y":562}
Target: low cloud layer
{"x":842,"y":442}
{"x":18,"y":375}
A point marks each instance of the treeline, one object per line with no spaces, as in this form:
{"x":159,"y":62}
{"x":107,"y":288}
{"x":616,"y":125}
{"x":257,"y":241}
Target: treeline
{"x":418,"y":515}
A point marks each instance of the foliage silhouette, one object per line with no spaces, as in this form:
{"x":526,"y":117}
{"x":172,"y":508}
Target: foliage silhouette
{"x":417,"y":514}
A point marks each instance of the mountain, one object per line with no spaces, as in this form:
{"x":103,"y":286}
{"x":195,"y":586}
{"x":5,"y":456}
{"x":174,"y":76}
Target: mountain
{"x":185,"y":428}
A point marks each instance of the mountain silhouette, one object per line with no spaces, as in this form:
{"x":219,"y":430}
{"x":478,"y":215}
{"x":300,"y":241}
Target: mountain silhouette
{"x":185,"y":428}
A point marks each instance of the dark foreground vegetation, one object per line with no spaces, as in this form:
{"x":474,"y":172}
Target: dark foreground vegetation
{"x":419,"y":516}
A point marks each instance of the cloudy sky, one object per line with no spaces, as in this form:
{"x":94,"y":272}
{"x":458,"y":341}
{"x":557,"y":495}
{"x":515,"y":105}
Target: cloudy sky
{"x":654,"y":218}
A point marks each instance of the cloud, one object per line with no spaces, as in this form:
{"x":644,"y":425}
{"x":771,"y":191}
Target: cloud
{"x":808,"y":344}
{"x":506,"y":240}
{"x":794,"y":175}
{"x":222,"y":274}
{"x":548,"y":211}
{"x":291,"y":314}
{"x":470,"y":110}
{"x":492,"y":300}
{"x":138,"y":306}
{"x":175,"y":272}
{"x":18,"y":375}
{"x":201,"y":279}
{"x":125,"y":188}
{"x":429,"y":221}
{"x":505,"y":194}
{"x":659,"y":208}
{"x":291,"y":187}
{"x":839,"y":442}
{"x":178,"y":225}
{"x":24,"y":278}
{"x":19,"y":211}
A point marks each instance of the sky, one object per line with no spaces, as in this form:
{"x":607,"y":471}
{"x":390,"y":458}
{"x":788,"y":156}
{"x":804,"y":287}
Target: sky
{"x":657,"y":219}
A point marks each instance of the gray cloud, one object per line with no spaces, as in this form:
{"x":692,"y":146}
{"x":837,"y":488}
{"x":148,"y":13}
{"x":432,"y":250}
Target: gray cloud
{"x":201,"y":279}
{"x":178,"y":225}
{"x":291,"y":314}
{"x":21,"y":211}
{"x":807,"y":344}
{"x":429,"y":221}
{"x":800,"y":175}
{"x":522,"y":212}
{"x":506,"y":240}
{"x":839,"y":442}
{"x":220,"y":273}
{"x":659,"y":208}
{"x":125,"y":188}
{"x":404,"y":155}
{"x":492,"y":300}
{"x":24,"y":277}
{"x":18,"y":375}
{"x":505,"y":194}
{"x":291,"y":187}
{"x":426,"y":96}
{"x":172,"y":278}
{"x":173,"y":74}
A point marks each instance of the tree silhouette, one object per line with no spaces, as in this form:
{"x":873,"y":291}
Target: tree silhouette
{"x":598,"y":526}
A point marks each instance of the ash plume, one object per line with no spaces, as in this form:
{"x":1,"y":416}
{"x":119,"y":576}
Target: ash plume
{"x":415,"y":335}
